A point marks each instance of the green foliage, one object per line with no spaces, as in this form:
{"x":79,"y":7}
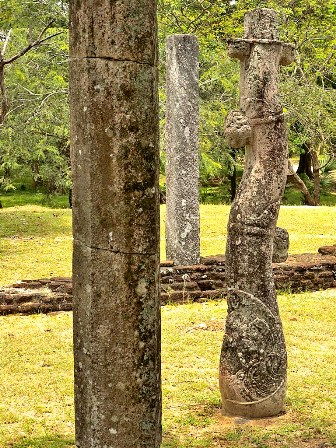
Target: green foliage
{"x":308,"y":87}
{"x":36,"y":132}
{"x":33,"y":13}
{"x":328,"y":173}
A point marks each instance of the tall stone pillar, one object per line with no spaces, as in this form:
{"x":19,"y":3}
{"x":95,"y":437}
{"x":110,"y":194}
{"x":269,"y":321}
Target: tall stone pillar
{"x":253,"y":358}
{"x":115,"y":161}
{"x":182,"y":149}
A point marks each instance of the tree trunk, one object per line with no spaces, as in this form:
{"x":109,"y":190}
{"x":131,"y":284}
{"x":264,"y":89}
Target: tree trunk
{"x":316,"y":178}
{"x":296,"y":180}
{"x":4,"y":104}
{"x":305,"y":163}
{"x":70,"y":197}
{"x":253,"y":359}
{"x":7,"y":172}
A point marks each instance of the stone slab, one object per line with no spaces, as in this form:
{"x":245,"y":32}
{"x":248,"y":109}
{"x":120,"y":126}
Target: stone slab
{"x":120,"y":30}
{"x":182,"y":150}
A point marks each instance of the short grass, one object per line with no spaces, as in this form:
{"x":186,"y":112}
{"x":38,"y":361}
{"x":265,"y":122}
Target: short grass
{"x":16,"y":199}
{"x":36,"y":382}
{"x":36,"y":241}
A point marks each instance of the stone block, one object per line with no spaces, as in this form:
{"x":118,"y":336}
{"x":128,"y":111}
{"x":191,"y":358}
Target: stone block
{"x":114,"y":155}
{"x":116,"y":344}
{"x":280,"y":245}
{"x":327,"y":250}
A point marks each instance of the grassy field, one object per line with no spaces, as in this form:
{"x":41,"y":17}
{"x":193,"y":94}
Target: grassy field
{"x":17,"y":199}
{"x":36,"y":383}
{"x":36,"y":241}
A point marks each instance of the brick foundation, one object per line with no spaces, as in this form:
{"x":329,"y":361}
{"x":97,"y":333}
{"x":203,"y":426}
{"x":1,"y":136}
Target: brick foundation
{"x":179,"y":284}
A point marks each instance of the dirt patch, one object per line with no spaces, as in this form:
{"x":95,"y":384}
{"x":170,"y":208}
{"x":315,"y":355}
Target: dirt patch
{"x":234,"y":432}
{"x":270,"y":422}
{"x":210,"y":325}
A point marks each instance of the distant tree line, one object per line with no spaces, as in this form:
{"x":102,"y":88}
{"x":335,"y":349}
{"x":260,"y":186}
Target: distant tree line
{"x":34,"y":130}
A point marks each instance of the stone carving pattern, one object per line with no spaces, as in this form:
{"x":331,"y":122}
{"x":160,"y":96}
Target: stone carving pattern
{"x":253,"y":334}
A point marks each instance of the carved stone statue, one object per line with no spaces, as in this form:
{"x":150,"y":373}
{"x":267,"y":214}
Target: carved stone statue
{"x":253,"y":359}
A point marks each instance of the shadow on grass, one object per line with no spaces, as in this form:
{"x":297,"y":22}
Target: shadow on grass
{"x":19,"y":198}
{"x":40,"y":223}
{"x":51,"y":441}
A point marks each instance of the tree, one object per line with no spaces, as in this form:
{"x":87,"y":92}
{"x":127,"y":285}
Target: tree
{"x":34,"y":133}
{"x":218,"y":92}
{"x":35,"y":137}
{"x":311,"y":25}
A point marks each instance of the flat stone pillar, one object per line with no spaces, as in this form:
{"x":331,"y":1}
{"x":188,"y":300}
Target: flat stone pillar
{"x":115,"y":163}
{"x":253,"y":359}
{"x":182,"y":150}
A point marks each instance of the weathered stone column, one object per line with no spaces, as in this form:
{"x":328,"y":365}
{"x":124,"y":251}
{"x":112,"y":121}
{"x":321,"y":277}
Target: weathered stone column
{"x":182,"y":149}
{"x":253,"y":359}
{"x":115,"y":160}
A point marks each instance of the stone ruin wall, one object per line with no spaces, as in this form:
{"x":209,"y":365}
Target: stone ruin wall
{"x":179,"y":284}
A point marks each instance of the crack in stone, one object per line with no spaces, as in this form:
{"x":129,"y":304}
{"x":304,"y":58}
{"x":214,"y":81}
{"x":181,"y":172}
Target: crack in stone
{"x":113,"y":251}
{"x":107,"y":58}
{"x":240,"y":292}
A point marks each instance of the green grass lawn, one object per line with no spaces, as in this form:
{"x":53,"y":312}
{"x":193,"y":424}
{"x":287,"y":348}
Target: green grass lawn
{"x":36,"y":382}
{"x":36,"y":241}
{"x":16,"y":199}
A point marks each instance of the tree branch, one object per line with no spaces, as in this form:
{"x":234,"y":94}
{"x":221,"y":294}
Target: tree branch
{"x":4,"y":106}
{"x":34,"y":44}
{"x":299,"y":184}
{"x":3,"y":51}
{"x":45,"y":99}
{"x":205,"y":10}
{"x":4,"y":102}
